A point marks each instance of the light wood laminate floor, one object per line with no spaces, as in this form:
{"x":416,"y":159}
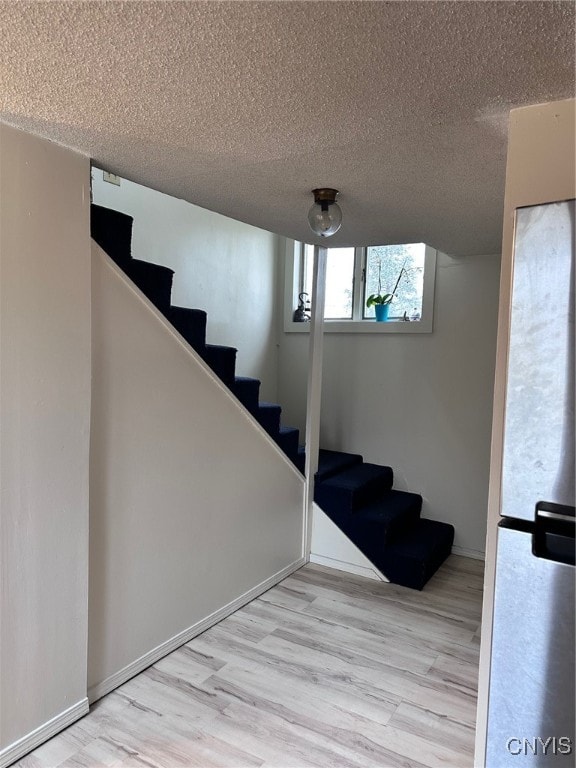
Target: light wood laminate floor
{"x":324,"y":670}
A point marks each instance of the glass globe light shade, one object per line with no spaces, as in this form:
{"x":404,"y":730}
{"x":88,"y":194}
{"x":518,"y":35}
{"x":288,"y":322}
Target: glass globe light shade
{"x":325,"y":218}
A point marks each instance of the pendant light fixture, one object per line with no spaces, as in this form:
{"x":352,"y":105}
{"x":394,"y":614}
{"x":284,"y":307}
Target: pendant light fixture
{"x":325,"y":216}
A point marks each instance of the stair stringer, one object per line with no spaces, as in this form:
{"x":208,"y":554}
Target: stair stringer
{"x":198,"y":359}
{"x":341,"y":553}
{"x":193,"y":508}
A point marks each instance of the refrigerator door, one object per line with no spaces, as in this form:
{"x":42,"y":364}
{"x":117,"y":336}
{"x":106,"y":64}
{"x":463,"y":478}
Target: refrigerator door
{"x":538,"y":460}
{"x":531,"y":699}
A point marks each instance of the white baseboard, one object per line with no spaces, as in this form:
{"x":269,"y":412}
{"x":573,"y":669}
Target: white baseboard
{"x":341,"y":565}
{"x":476,"y":554}
{"x":138,"y":665}
{"x":27,"y":743}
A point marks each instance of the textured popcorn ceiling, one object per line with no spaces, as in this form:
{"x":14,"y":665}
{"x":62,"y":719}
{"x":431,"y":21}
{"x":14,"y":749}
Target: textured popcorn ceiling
{"x":244,"y":107}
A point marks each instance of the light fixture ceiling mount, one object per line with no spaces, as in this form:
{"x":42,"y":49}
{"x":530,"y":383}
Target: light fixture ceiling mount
{"x":325,"y":215}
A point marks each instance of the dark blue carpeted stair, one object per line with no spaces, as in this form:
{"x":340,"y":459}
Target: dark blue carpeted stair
{"x":191,"y":324}
{"x":247,"y":390}
{"x":385,"y":524}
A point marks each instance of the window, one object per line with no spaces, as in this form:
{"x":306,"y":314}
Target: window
{"x":353,"y":274}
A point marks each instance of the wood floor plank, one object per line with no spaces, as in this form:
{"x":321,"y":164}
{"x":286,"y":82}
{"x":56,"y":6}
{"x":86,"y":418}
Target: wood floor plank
{"x":325,"y":670}
{"x":325,"y":732}
{"x":349,"y":641}
{"x":441,"y":730}
{"x":387,"y":626}
{"x":166,"y":736}
{"x":65,"y":744}
{"x":391,"y":685}
{"x":362,"y":695}
{"x":463,"y":675}
{"x":445,"y":597}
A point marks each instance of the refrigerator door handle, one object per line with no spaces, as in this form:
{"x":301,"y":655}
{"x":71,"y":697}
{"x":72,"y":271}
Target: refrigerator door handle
{"x":553,"y":511}
{"x":553,"y":533}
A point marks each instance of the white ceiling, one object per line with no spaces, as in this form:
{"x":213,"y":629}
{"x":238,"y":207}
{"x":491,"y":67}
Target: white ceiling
{"x":244,"y":107}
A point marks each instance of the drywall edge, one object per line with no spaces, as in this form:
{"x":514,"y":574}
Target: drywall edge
{"x":540,"y":169}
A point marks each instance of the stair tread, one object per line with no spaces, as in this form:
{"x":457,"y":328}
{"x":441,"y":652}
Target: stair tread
{"x":219,"y":347}
{"x":271,"y":406}
{"x":148,"y":266}
{"x":353,"y":488}
{"x":188,"y":311}
{"x":289,"y":430}
{"x":357,"y":475}
{"x":331,"y":462}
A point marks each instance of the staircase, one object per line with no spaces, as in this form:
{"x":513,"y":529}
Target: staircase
{"x":383,"y":523}
{"x":357,"y":496}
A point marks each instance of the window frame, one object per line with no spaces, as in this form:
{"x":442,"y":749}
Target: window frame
{"x":358,"y":324}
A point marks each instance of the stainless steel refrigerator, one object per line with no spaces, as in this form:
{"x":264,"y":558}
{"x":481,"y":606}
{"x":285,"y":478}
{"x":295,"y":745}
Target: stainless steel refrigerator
{"x":531,"y":711}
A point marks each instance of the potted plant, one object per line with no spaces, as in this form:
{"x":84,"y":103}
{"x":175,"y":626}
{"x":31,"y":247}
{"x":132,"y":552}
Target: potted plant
{"x":381,"y":301}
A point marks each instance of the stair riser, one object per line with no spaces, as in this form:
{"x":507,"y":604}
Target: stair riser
{"x":269,"y":419}
{"x":191,"y":325}
{"x":346,"y":500}
{"x":156,"y":284}
{"x":415,"y":556}
{"x":222,"y":362}
{"x":112,"y":231}
{"x":300,"y":461}
{"x":289,"y":444}
{"x":248,"y":393}
{"x":415,"y":573}
{"x":372,"y":536}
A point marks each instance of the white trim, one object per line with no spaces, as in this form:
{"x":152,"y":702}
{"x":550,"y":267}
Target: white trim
{"x":138,"y":665}
{"x":314,"y":389}
{"x":475,"y":554}
{"x":292,"y":250}
{"x":27,"y":743}
{"x":341,"y":565}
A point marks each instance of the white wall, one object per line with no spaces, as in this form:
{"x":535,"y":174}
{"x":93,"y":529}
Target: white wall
{"x":421,"y":403}
{"x":44,"y":411}
{"x":193,"y":509}
{"x":540,"y":169}
{"x":223,"y":266}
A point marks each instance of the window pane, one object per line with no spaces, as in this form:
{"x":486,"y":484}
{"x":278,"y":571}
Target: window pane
{"x":397,"y":269}
{"x":339,"y":277}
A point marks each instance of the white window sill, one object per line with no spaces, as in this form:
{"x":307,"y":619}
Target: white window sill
{"x":364,"y":326}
